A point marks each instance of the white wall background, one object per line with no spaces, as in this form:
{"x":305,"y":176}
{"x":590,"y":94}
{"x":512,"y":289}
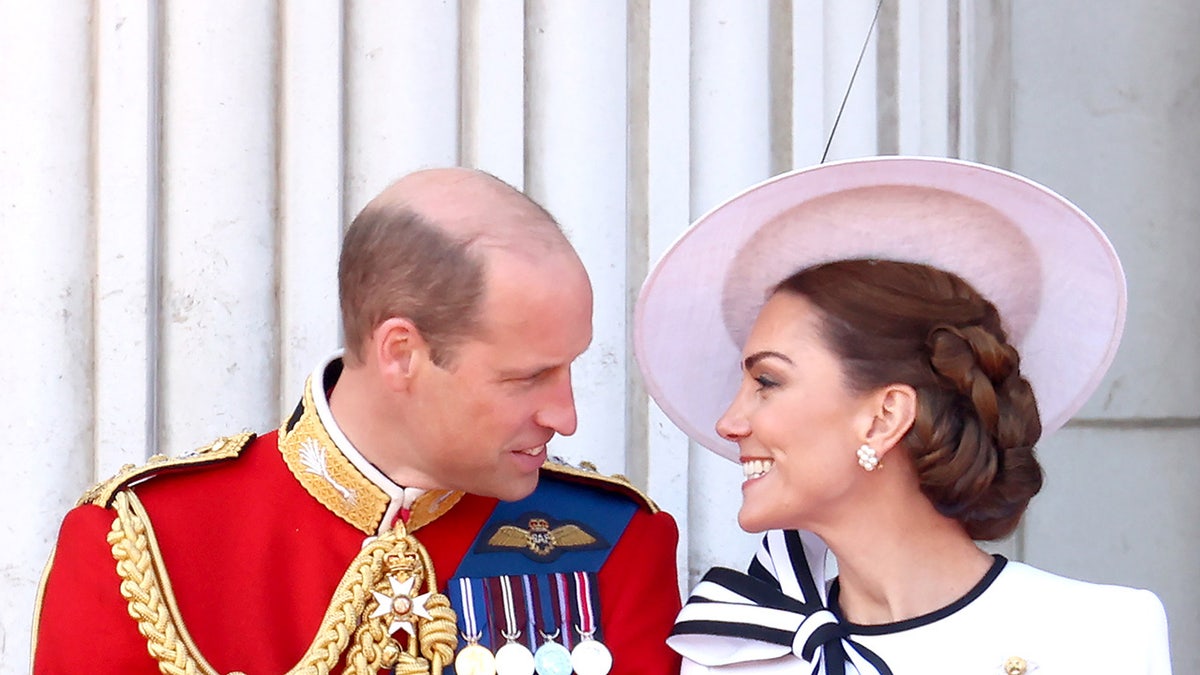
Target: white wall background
{"x":174,"y":177}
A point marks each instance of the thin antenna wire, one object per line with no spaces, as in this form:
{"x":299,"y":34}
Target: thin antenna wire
{"x":850,"y":86}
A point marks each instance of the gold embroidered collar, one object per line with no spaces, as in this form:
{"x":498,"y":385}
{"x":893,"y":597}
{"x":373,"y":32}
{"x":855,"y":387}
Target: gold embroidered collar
{"x":333,"y":471}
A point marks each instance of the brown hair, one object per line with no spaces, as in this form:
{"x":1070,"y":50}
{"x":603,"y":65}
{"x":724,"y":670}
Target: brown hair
{"x":396,"y":263}
{"x":977,"y":420}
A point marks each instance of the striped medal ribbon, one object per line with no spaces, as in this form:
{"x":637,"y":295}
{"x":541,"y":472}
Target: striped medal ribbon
{"x":514,"y":658}
{"x":473,"y":659}
{"x":590,"y":656}
{"x":552,"y":658}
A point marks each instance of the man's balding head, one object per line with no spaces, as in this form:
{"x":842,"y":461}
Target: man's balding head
{"x":468,"y":203}
{"x":420,"y":250}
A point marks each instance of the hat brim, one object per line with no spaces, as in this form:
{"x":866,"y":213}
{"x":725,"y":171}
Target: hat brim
{"x":1052,"y":274}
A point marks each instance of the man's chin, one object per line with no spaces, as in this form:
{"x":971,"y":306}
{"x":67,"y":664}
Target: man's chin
{"x":515,"y":489}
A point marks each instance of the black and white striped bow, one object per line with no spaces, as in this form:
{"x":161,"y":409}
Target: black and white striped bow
{"x":778,"y":608}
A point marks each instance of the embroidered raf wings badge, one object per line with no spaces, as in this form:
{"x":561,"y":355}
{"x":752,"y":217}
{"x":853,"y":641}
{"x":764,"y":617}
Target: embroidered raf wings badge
{"x":540,"y":538}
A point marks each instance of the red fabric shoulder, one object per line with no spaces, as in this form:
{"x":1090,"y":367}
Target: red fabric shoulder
{"x":83,"y":624}
{"x":639,"y":596}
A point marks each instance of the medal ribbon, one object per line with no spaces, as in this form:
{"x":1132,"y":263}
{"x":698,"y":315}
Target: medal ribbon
{"x":530,"y":614}
{"x":584,"y":604}
{"x":564,"y":613}
{"x":546,"y":607}
{"x":510,"y":610}
{"x":471,"y":610}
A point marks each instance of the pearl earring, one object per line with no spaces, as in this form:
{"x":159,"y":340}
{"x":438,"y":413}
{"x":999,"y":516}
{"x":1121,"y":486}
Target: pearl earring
{"x":867,"y":458}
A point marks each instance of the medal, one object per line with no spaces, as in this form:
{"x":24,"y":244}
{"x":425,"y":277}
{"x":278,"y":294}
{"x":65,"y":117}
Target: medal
{"x":513,"y":658}
{"x":552,"y":658}
{"x":474,"y":659}
{"x":590,"y":656}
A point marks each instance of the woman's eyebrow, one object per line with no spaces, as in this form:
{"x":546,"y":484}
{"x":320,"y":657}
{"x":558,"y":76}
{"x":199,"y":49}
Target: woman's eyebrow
{"x":759,"y":356}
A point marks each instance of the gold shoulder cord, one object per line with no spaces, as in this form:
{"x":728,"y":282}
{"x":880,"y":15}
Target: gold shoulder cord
{"x":352,"y":620}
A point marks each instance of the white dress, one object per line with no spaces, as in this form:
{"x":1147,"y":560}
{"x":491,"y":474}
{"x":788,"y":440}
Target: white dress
{"x":1016,"y":614}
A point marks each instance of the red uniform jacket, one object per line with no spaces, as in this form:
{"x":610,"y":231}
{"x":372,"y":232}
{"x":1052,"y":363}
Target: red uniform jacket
{"x":255,"y":540}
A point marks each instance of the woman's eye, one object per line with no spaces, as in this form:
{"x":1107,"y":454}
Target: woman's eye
{"x":765,"y":382}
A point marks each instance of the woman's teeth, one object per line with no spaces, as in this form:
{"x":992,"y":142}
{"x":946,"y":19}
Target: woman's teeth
{"x":756,"y":468}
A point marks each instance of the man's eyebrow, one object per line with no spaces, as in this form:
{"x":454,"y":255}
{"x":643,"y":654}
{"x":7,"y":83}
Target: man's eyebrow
{"x":754,"y":358}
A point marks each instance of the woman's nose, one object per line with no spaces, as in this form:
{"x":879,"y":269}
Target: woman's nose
{"x":732,"y":426}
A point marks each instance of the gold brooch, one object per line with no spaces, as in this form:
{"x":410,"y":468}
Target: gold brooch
{"x":1015,"y":665}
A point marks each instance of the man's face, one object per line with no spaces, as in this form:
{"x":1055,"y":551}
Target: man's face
{"x":487,"y":416}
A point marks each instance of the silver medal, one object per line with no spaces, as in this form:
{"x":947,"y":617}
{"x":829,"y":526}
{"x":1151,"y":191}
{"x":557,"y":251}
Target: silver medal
{"x":552,"y":658}
{"x":590,"y":657}
{"x":514,"y":658}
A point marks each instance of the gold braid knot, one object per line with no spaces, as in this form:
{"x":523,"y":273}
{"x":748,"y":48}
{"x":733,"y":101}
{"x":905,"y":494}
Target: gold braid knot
{"x":347,"y":622}
{"x":432,"y":648}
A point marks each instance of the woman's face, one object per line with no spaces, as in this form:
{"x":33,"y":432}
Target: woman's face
{"x":797,"y":425}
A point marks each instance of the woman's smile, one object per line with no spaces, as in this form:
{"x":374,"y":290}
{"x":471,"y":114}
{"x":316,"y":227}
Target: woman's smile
{"x":753,"y":468}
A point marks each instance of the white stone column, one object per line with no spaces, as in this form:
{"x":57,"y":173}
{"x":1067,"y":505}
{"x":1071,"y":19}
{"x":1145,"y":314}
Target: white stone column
{"x":402,"y":93}
{"x":47,"y":263}
{"x":576,"y":166}
{"x":310,"y":192}
{"x":493,"y":88}
{"x":218,"y":318}
{"x":659,"y":211}
{"x":126,"y":226}
{"x":730,"y":151}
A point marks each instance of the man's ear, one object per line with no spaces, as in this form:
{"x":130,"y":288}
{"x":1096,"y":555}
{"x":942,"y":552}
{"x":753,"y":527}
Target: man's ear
{"x":894,"y":409}
{"x":399,"y":350}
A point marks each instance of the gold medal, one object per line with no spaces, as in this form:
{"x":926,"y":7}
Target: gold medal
{"x":475,"y":659}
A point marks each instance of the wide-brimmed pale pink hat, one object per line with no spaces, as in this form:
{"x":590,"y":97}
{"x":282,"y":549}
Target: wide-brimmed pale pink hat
{"x":1050,"y":271}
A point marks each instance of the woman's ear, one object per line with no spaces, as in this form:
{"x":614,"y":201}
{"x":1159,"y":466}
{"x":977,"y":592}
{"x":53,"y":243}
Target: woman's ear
{"x":399,"y":349}
{"x":895,"y":409}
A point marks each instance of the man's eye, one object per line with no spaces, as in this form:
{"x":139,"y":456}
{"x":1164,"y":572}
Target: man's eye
{"x":531,"y":378}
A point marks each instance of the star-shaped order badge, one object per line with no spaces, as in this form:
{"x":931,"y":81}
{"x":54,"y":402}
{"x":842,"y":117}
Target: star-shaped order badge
{"x":401,"y":605}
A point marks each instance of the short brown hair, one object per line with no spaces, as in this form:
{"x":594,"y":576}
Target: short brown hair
{"x":396,"y":263}
{"x":977,"y":420}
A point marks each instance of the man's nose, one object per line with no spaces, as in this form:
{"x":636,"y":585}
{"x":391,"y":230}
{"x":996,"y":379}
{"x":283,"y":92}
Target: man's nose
{"x":557,"y":411}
